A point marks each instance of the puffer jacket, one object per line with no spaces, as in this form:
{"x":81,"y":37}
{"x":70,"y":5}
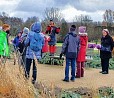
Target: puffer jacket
{"x":36,"y":28}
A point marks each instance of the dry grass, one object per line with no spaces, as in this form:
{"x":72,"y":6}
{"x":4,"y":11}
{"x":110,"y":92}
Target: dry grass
{"x":13,"y":83}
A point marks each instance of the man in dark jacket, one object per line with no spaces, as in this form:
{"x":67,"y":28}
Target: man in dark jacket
{"x":106,"y":50}
{"x":70,"y":48}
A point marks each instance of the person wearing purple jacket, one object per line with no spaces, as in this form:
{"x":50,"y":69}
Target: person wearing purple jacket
{"x":70,"y":49}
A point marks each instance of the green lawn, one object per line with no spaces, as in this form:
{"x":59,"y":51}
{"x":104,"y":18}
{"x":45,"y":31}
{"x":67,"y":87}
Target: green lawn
{"x":59,"y":44}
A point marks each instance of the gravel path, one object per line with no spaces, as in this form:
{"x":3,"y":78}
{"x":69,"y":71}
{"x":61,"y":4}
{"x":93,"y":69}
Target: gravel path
{"x":93,"y":79}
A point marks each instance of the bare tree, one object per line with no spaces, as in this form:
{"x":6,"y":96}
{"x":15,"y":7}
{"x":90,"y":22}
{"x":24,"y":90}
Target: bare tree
{"x":53,"y":13}
{"x":83,"y":19}
{"x":108,"y":16}
{"x":30,"y":21}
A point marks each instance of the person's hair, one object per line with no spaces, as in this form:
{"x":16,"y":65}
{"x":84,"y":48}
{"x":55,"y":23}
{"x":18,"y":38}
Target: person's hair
{"x":5,"y":26}
{"x":73,"y":26}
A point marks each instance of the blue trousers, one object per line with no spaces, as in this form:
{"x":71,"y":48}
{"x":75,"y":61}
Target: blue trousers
{"x":27,"y":69}
{"x":71,"y":61}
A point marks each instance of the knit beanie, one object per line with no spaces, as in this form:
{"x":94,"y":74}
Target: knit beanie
{"x":106,"y":30}
{"x":72,"y":28}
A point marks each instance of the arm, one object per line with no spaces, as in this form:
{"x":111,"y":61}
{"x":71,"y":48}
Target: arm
{"x":112,"y":44}
{"x":65,"y":44}
{"x":78,"y":48}
{"x":1,"y":43}
{"x":43,"y":41}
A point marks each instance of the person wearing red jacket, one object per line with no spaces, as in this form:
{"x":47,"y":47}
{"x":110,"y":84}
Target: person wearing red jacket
{"x":82,"y":52}
{"x":52,"y":30}
{"x":45,"y":48}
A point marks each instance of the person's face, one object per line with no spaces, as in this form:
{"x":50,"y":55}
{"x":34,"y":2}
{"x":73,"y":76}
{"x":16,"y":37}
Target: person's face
{"x":104,"y":33}
{"x":51,"y":23}
{"x":19,"y":34}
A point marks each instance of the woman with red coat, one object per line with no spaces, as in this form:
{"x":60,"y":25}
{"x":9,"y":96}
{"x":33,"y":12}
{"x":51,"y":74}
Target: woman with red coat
{"x":82,"y":52}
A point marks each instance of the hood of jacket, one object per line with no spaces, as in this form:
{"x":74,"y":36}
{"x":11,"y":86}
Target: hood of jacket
{"x":73,"y":34}
{"x":36,"y":27}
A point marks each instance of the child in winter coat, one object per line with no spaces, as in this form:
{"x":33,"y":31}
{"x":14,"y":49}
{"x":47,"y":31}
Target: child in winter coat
{"x":82,"y":52}
{"x":16,"y":40}
{"x":21,"y":45}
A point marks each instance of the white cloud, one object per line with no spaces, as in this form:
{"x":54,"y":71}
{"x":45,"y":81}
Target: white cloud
{"x":70,"y":12}
{"x":8,"y":6}
{"x":70,"y":8}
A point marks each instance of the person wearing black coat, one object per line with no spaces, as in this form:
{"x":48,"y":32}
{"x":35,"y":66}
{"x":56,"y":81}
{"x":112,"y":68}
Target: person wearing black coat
{"x":106,"y":50}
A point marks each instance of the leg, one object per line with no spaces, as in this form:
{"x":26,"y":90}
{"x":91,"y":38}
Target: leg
{"x":34,"y":75}
{"x":102,"y":65}
{"x":73,"y":68}
{"x":82,"y":68}
{"x":27,"y":67}
{"x":106,"y":64}
{"x":78,"y":73}
{"x":67,"y":69}
{"x":51,"y":50}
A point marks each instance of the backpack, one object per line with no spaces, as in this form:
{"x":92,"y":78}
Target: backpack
{"x":36,"y":42}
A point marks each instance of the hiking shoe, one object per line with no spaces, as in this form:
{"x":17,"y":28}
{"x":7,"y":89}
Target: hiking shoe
{"x":104,"y":72}
{"x":65,"y":80}
{"x":33,"y":81}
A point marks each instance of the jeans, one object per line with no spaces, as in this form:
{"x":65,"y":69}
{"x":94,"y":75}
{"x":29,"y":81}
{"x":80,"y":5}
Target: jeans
{"x":27,"y":69}
{"x":105,"y":64}
{"x":71,"y":61}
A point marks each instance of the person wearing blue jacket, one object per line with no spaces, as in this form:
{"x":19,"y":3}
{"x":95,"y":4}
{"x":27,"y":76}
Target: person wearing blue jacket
{"x":70,"y":49}
{"x":34,"y":43}
{"x":16,"y":40}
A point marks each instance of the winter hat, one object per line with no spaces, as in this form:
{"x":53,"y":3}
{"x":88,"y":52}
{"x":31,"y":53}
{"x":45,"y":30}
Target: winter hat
{"x":82,"y":30}
{"x":72,"y":28}
{"x":36,"y":27}
{"x":25,"y":30}
{"x":106,"y":30}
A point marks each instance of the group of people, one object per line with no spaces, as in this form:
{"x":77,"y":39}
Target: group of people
{"x":31,"y":43}
{"x":74,"y":48}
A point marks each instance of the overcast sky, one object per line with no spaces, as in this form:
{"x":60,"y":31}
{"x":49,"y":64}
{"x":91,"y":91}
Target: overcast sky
{"x":69,"y":8}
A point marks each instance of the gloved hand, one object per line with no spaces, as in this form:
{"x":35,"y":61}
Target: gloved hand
{"x":61,"y":55}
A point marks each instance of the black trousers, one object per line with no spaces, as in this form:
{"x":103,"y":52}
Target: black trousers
{"x":27,"y":69}
{"x":105,"y":64}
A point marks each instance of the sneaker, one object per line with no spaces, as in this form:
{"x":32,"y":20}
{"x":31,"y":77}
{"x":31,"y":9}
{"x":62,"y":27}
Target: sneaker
{"x":65,"y":80}
{"x":72,"y":79}
{"x":33,"y":81}
{"x":104,"y":72}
